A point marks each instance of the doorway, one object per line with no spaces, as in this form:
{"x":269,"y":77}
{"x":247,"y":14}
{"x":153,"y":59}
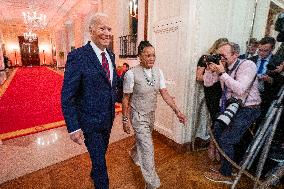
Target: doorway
{"x":29,"y":52}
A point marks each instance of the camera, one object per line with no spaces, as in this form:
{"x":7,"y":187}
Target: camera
{"x":271,"y":67}
{"x":215,"y":58}
{"x":233,"y":106}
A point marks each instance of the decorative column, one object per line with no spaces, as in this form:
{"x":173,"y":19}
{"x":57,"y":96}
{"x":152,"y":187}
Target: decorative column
{"x":79,"y":30}
{"x":2,"y":66}
{"x":60,"y":47}
{"x":69,"y":35}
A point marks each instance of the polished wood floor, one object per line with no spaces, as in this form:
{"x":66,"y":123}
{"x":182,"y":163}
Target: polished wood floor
{"x":176,"y":170}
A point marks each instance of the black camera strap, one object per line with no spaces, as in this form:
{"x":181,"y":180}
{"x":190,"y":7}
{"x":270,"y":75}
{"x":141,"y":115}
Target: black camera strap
{"x":236,"y":66}
{"x":225,"y":89}
{"x":248,"y":90}
{"x":250,"y":86}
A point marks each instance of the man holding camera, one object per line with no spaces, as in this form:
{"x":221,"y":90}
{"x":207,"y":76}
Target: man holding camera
{"x":239,"y":84}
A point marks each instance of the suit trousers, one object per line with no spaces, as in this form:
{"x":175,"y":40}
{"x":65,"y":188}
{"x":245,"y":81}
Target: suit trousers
{"x":228,"y":136}
{"x":97,"y":142}
{"x":143,"y":126}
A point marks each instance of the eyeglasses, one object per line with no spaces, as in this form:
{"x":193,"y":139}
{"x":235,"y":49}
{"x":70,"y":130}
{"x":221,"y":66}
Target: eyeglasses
{"x":264,"y":50}
{"x":223,"y":57}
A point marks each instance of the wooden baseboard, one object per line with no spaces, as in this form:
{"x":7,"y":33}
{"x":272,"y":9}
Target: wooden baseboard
{"x":180,"y":148}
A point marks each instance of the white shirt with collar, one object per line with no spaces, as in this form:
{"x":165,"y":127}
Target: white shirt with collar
{"x":129,"y":75}
{"x":99,"y":55}
{"x":264,"y":70}
{"x":267,"y":59}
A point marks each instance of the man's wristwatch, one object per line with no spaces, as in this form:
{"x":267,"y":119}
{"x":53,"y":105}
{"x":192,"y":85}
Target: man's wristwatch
{"x":124,"y":119}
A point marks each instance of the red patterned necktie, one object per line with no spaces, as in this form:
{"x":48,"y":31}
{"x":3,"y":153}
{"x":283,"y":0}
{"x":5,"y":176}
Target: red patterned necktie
{"x":105,"y":65}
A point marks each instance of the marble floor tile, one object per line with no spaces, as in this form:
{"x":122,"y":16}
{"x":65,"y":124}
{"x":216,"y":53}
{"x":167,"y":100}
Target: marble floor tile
{"x":30,"y":153}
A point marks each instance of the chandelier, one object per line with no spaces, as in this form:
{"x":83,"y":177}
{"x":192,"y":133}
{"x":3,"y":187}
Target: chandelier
{"x":34,"y":20}
{"x":133,"y":8}
{"x":29,"y":36}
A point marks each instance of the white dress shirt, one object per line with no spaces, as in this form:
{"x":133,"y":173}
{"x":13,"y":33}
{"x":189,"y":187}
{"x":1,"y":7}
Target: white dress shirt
{"x":130,"y":78}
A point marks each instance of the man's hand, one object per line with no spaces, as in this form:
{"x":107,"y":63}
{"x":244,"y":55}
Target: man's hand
{"x":126,"y":127}
{"x":267,"y":79}
{"x":217,"y":68}
{"x":77,"y":137}
{"x":279,"y":68}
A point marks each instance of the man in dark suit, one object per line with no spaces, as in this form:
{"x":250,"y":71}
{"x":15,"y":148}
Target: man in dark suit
{"x":89,"y":96}
{"x":264,"y":54}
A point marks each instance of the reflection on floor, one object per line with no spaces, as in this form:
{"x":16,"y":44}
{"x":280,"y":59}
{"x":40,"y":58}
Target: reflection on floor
{"x":27,"y":154}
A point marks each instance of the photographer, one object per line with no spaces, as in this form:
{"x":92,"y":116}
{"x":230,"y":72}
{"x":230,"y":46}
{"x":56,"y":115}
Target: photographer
{"x":238,"y":80}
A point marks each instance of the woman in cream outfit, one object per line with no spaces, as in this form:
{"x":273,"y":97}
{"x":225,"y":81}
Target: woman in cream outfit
{"x":141,"y":85}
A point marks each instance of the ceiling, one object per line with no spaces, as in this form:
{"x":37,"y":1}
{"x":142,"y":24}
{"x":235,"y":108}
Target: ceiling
{"x":11,"y":10}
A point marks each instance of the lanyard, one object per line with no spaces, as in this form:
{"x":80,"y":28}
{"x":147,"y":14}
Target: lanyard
{"x":224,"y":92}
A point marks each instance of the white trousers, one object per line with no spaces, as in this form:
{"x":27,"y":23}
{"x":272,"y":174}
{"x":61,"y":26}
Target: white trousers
{"x":143,"y":151}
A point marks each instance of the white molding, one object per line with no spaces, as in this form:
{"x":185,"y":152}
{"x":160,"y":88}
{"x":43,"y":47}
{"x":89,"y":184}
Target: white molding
{"x":164,"y":131}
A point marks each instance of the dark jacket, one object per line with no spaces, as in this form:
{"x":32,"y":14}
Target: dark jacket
{"x":88,"y":98}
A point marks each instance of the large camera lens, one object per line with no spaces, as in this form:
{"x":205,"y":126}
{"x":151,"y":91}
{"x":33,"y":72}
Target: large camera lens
{"x":230,"y":111}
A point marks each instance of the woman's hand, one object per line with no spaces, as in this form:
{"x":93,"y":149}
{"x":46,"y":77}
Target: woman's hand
{"x":199,"y":73}
{"x":181,"y":117}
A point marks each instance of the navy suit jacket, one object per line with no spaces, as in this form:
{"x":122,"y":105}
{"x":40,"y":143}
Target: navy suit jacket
{"x":254,"y":58}
{"x":88,"y":99}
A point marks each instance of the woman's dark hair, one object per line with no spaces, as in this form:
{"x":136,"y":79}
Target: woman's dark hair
{"x":142,"y":45}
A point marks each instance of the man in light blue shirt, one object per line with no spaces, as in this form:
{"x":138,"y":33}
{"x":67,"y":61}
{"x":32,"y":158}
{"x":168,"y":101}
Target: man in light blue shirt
{"x":263,"y":57}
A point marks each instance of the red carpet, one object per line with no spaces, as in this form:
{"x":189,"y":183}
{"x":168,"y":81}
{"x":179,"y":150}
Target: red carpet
{"x":31,"y":102}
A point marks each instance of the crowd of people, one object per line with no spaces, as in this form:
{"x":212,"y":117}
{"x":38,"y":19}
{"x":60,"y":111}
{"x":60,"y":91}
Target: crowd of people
{"x":254,"y":80}
{"x":91,"y":85}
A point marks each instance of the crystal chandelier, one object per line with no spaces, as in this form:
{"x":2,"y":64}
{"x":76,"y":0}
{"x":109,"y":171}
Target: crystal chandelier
{"x":29,"y":36}
{"x":34,"y":20}
{"x":133,"y":8}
